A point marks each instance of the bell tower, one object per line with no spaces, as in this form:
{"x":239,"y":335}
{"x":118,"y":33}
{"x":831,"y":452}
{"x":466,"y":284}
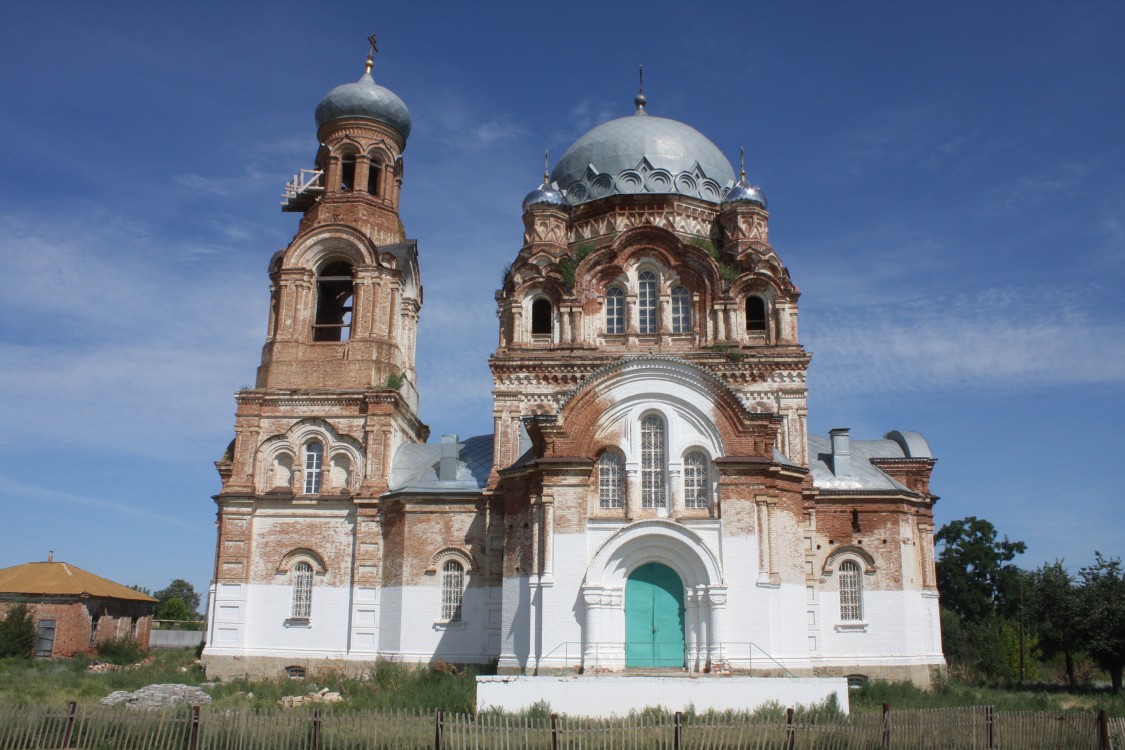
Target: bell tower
{"x":335,"y":394}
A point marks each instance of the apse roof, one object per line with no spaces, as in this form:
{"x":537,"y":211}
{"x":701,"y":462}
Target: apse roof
{"x":864,"y":476}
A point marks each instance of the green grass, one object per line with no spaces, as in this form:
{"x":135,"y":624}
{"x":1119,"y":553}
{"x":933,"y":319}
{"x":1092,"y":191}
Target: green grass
{"x":904,"y":695}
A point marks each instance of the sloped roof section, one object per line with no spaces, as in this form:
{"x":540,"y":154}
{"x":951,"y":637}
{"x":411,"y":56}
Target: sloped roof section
{"x":62,"y":579}
{"x":415,"y":467}
{"x":864,"y":476}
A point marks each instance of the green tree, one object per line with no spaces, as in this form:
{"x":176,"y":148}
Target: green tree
{"x":18,"y":633}
{"x":974,"y":570}
{"x":1052,"y":605}
{"x":182,"y":589}
{"x":174,"y":608}
{"x":1102,"y":615}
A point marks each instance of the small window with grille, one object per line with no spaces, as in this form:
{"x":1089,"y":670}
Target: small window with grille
{"x":851,"y":591}
{"x":302,"y":590}
{"x":452,"y":590}
{"x":609,"y":480}
{"x":314,"y":467}
{"x":615,"y":310}
{"x":697,"y":480}
{"x":681,"y":310}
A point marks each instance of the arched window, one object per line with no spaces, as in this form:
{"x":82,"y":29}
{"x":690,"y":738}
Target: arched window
{"x":347,"y":172}
{"x":314,"y":467}
{"x":452,"y":590}
{"x":541,"y":316}
{"x":334,"y":290}
{"x":697,"y":480}
{"x":755,"y":313}
{"x":374,"y":172}
{"x":609,"y":480}
{"x":646,"y":302}
{"x":302,"y":590}
{"x":681,"y":310}
{"x":652,"y":462}
{"x":851,"y":591}
{"x":615,"y":310}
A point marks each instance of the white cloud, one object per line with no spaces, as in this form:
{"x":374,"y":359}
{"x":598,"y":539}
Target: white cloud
{"x":1003,"y":339}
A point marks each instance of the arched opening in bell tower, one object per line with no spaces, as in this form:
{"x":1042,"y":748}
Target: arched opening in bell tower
{"x":334,"y":293}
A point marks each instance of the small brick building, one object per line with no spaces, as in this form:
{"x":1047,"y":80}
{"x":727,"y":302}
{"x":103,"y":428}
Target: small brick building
{"x":74,"y":609}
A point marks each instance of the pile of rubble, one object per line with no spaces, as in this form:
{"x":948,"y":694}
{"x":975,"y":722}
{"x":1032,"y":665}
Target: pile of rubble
{"x":100,"y":667}
{"x":324,"y":696}
{"x":158,"y":696}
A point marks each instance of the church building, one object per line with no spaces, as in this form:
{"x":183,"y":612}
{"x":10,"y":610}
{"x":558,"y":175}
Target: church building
{"x":649,"y":498}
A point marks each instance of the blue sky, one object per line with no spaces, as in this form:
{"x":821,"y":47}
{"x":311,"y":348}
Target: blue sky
{"x":946,"y":186}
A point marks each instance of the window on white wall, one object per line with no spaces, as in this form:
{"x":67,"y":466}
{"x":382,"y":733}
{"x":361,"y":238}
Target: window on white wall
{"x":851,"y":591}
{"x":314,"y":467}
{"x":609,"y":480}
{"x":302,"y":590}
{"x":653,"y":461}
{"x":646,"y":302}
{"x":452,"y":590}
{"x":697,"y":480}
{"x":615,"y":310}
{"x":681,"y":310}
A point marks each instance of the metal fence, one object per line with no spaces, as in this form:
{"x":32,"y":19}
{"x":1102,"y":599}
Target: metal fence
{"x":978,"y":728}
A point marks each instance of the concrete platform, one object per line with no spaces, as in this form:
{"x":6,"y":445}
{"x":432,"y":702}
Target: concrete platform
{"x":604,"y":696}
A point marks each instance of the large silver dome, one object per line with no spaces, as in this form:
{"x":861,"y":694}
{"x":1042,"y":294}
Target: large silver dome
{"x":643,"y":154}
{"x":364,"y":98}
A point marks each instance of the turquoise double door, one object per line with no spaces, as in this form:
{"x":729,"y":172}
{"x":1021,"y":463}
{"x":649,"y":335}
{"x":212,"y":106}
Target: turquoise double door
{"x":654,"y":617}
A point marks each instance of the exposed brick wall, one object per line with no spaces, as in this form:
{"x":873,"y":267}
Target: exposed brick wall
{"x":116,"y":618}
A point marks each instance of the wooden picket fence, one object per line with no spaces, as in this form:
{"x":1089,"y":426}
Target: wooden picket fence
{"x":119,"y":728}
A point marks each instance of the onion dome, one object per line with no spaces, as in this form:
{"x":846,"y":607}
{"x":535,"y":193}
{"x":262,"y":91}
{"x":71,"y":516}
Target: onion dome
{"x":743,"y":193}
{"x":546,"y":194}
{"x":365,"y":99}
{"x":643,"y":154}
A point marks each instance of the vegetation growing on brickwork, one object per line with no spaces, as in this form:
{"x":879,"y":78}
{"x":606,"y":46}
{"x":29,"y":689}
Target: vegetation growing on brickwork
{"x":17,"y":631}
{"x":707,"y":246}
{"x":395,"y":381}
{"x":568,"y":266}
{"x":728,"y":273}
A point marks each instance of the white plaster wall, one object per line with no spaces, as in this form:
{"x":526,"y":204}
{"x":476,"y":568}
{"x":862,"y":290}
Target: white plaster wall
{"x":899,"y":629}
{"x":606,"y":696}
{"x":422,"y":636}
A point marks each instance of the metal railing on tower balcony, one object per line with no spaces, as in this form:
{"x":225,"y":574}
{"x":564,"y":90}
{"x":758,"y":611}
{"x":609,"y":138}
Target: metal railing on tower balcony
{"x":303,"y":190}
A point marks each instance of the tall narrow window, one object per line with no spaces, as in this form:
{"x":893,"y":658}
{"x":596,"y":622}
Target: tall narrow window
{"x":755,"y":313}
{"x":374,"y":171}
{"x":334,"y":290}
{"x":452,"y":590}
{"x":609,"y":480}
{"x":314,"y":467}
{"x":302,"y":590}
{"x":541,"y":316}
{"x":347,"y":172}
{"x":851,"y":591}
{"x":652,"y":462}
{"x":615,"y":310}
{"x":697,"y":480}
{"x":681,"y":310}
{"x":646,"y":302}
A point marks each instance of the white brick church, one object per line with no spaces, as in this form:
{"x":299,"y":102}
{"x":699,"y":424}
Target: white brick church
{"x":649,"y":499}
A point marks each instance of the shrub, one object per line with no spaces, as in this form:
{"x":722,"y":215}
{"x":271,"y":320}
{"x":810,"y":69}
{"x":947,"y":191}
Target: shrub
{"x":120,"y":651}
{"x":18,"y":632}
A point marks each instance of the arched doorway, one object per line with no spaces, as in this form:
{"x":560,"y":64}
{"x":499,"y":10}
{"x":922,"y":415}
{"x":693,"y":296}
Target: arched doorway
{"x":654,"y":617}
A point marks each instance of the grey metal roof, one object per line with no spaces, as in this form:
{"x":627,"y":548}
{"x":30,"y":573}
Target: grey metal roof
{"x":545,"y":194}
{"x":864,"y":476}
{"x":415,"y":467}
{"x":364,"y":98}
{"x":643,"y":154}
{"x":743,"y":193}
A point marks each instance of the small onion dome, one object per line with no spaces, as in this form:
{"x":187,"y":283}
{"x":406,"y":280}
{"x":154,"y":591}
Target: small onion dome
{"x":544,"y":195}
{"x":743,"y":193}
{"x":365,"y":99}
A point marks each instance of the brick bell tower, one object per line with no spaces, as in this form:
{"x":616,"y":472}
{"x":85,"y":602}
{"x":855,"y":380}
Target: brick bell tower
{"x":335,"y":394}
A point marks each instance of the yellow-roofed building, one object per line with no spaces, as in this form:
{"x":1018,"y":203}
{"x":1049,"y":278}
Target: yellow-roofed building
{"x":74,"y":609}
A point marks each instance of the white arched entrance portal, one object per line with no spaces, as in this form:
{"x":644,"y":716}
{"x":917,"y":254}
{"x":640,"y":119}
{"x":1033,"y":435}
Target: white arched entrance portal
{"x":668,"y":543}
